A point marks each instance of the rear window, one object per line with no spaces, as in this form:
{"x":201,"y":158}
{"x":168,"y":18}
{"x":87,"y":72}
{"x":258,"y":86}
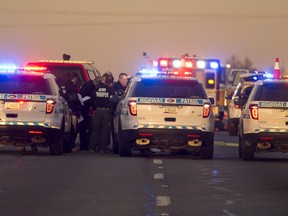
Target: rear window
{"x":24,"y":85}
{"x":61,"y":73}
{"x":168,"y":89}
{"x":272,"y":92}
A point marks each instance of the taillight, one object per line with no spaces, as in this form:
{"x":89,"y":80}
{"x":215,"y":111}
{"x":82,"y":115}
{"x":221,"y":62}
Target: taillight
{"x":206,"y":110}
{"x":254,"y":111}
{"x":132,"y":107}
{"x":50,"y":104}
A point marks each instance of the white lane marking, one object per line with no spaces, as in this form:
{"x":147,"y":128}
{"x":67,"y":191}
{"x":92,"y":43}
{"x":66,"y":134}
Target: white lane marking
{"x":159,"y":176}
{"x":221,"y":143}
{"x":157,"y":161}
{"x":160,"y":167}
{"x":163,"y":201}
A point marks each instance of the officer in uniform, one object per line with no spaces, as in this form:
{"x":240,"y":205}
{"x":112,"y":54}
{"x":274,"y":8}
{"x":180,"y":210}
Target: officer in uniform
{"x":85,"y":125}
{"x":102,"y":100}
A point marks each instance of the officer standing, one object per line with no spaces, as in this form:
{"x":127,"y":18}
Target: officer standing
{"x":85,"y":125}
{"x":102,"y":101}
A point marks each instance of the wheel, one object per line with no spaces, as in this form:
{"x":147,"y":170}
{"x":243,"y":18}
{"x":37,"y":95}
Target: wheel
{"x":232,"y":128}
{"x":56,"y":146}
{"x":69,"y":141}
{"x":125,"y":148}
{"x":247,"y":151}
{"x":207,"y":150}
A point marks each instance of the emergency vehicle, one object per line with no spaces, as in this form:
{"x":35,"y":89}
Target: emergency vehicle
{"x":85,"y":70}
{"x":263,"y":123}
{"x":32,"y":111}
{"x":207,"y":71}
{"x":169,"y":113}
{"x":247,"y":82}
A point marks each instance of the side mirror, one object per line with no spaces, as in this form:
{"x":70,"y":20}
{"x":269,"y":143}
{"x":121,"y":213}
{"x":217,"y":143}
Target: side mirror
{"x":211,"y":100}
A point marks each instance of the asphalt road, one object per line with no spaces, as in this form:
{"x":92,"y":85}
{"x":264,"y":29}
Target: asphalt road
{"x":84,"y":183}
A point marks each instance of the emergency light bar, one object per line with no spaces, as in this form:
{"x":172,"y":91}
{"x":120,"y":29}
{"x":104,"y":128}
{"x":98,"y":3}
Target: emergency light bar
{"x":67,"y":61}
{"x":167,"y":64}
{"x":8,"y":68}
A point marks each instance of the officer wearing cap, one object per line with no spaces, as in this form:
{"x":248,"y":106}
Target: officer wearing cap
{"x":102,"y":100}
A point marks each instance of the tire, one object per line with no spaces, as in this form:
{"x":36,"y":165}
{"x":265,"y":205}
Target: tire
{"x":69,"y":141}
{"x":125,"y":148}
{"x":247,"y":151}
{"x":56,"y":146}
{"x":232,"y":128}
{"x":207,"y":151}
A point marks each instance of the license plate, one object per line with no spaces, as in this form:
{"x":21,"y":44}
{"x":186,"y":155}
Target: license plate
{"x":12,"y":105}
{"x":171,"y":109}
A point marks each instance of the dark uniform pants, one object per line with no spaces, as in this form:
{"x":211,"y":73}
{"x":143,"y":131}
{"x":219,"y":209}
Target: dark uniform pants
{"x":100,"y":137}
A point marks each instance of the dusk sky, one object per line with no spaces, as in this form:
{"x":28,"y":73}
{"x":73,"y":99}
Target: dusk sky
{"x":115,"y":33}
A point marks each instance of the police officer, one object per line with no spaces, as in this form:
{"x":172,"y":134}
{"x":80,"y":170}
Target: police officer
{"x":121,"y":85}
{"x":102,"y":101}
{"x":85,"y":125}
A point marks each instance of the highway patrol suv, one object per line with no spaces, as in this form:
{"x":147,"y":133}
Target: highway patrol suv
{"x":264,"y":119}
{"x":169,"y":113}
{"x":247,"y":82}
{"x":33,"y":112}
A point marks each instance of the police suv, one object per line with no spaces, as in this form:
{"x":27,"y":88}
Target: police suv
{"x":168,"y":113}
{"x":264,"y":119}
{"x":32,"y":111}
{"x":247,"y":82}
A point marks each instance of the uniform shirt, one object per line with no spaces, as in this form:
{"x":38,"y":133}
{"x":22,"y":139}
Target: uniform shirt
{"x":119,"y":88}
{"x":103,"y":96}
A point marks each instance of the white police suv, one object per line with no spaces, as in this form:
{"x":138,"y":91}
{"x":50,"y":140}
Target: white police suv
{"x":32,"y":111}
{"x":169,"y":113}
{"x":264,"y":119}
{"x":247,"y":82}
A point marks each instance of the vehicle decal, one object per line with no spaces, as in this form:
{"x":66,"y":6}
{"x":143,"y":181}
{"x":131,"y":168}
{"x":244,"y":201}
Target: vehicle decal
{"x":25,"y":123}
{"x":272,"y":130}
{"x":24,"y":97}
{"x":272,"y":104}
{"x":171,"y":100}
{"x":180,"y":127}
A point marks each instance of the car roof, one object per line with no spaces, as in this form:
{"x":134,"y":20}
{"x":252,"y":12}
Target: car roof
{"x":28,"y":73}
{"x":271,"y":81}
